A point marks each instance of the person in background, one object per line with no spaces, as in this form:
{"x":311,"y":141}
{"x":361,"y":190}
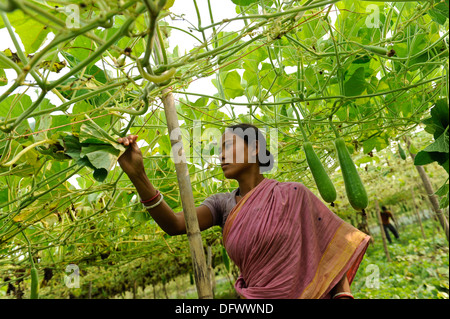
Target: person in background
{"x":385,"y":216}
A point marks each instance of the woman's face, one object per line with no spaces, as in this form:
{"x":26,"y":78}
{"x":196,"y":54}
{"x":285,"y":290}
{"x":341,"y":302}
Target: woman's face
{"x":235,"y":155}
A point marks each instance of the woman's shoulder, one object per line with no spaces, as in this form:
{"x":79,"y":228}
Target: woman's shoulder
{"x":220,"y":204}
{"x":222,"y":196}
{"x":225,"y":194}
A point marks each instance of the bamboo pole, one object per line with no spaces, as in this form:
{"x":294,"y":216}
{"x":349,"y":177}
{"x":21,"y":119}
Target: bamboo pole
{"x":419,"y":219}
{"x":383,"y":235}
{"x":187,"y":199}
{"x":429,"y":189}
{"x":211,"y":274}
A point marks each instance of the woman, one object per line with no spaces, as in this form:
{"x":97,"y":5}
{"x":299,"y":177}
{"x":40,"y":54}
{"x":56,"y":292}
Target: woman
{"x":285,"y":241}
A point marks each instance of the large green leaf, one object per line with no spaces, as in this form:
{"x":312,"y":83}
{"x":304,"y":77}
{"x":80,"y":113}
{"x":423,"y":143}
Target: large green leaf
{"x":14,"y":105}
{"x":90,"y":132}
{"x":438,"y":125}
{"x":232,"y":85}
{"x":72,"y":146}
{"x":375,"y":142}
{"x":356,"y":84}
{"x":31,"y":32}
{"x":100,"y":156}
{"x":81,"y":48}
{"x":94,"y":148}
{"x":424,"y":158}
{"x":440,"y":115}
{"x":439,"y":12}
{"x":440,"y":145}
{"x":32,"y":35}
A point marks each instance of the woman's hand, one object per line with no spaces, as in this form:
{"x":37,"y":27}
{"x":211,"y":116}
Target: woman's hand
{"x":131,"y":160}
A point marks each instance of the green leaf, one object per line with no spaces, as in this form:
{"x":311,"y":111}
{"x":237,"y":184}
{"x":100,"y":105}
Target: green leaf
{"x":140,"y":216}
{"x":61,"y":123}
{"x":438,"y":122}
{"x":440,"y":115}
{"x":439,"y":12}
{"x":3,"y":78}
{"x":100,"y":156}
{"x":356,"y":84}
{"x":90,"y":132}
{"x":82,"y":47}
{"x":374,"y":142}
{"x":44,"y":124}
{"x":430,"y":125}
{"x":244,"y":2}
{"x":168,"y":4}
{"x":441,"y":144}
{"x":85,"y":162}
{"x":12,"y":56}
{"x":366,"y":159}
{"x":443,"y":190}
{"x":443,"y":193}
{"x":424,"y":158}
{"x":446,"y":165}
{"x":14,"y":105}
{"x":100,"y":174}
{"x":444,"y":201}
{"x":362,"y":59}
{"x":32,"y":34}
{"x":83,"y":107}
{"x":232,"y":85}
{"x":94,"y":148}
{"x":72,"y":146}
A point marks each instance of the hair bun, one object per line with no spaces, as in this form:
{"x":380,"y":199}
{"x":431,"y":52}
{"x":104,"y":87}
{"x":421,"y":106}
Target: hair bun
{"x":267,"y":163}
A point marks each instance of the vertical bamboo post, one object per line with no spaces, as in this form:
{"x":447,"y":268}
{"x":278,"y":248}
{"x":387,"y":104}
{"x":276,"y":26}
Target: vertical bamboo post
{"x":429,"y":188}
{"x":211,"y":274}
{"x":419,"y":219}
{"x":187,"y":199}
{"x":383,"y":235}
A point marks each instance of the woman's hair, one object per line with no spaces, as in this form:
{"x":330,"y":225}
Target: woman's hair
{"x":250,"y":133}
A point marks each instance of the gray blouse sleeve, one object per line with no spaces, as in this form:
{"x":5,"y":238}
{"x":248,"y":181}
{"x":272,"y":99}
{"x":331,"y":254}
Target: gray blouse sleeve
{"x":215,"y":205}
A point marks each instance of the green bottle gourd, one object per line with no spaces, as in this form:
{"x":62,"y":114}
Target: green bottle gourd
{"x":356,"y":193}
{"x":323,"y":181}
{"x":34,"y":294}
{"x":402,"y":152}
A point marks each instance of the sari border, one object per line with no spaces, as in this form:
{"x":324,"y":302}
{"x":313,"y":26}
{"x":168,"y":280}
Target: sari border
{"x":345,"y":243}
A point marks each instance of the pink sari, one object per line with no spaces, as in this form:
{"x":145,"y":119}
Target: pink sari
{"x":288,"y":244}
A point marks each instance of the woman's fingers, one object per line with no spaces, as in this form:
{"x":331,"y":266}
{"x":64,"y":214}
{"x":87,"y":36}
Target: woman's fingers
{"x":130,"y":139}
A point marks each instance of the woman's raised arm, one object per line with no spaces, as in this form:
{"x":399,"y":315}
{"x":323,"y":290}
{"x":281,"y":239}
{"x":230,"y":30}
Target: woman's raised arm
{"x":172,"y":223}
